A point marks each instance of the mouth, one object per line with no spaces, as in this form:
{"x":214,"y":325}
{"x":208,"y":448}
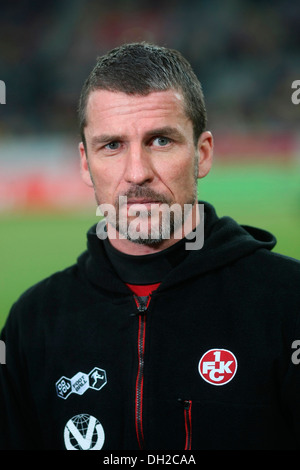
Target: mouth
{"x":142,"y":205}
{"x":142,"y":201}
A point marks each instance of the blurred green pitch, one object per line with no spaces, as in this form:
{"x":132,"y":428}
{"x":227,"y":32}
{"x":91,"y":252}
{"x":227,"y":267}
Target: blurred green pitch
{"x":33,"y":246}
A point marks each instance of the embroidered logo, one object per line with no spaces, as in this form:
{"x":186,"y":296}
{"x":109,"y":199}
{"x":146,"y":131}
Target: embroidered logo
{"x":81,"y":382}
{"x":217,"y":366}
{"x":83,"y":432}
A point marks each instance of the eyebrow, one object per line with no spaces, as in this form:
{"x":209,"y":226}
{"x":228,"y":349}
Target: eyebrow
{"x":105,"y":139}
{"x":166,"y":131}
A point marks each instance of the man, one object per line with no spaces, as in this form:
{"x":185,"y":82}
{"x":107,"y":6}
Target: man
{"x":147,"y":342}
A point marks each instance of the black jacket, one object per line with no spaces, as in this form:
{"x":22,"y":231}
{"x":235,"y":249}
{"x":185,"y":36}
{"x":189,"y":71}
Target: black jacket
{"x":208,"y":365}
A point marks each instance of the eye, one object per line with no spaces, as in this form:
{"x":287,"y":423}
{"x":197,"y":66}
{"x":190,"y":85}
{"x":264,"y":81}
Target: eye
{"x":112,"y":145}
{"x":161,"y":141}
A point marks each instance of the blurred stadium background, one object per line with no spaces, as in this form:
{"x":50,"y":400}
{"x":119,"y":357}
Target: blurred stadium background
{"x":246,"y":54}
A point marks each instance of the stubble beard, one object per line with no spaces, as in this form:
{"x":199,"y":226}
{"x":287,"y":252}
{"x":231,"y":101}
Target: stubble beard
{"x":155,"y":225}
{"x":162,"y":224}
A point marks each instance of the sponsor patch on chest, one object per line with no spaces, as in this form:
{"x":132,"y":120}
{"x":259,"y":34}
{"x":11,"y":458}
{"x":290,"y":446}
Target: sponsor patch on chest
{"x":84,"y":432}
{"x":81,"y":382}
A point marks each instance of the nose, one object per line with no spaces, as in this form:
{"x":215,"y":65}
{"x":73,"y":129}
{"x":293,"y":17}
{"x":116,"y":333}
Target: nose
{"x":138,"y":167}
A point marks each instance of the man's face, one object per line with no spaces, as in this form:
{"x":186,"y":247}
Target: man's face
{"x":142,"y":147}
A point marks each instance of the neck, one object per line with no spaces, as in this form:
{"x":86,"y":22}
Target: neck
{"x":130,"y":248}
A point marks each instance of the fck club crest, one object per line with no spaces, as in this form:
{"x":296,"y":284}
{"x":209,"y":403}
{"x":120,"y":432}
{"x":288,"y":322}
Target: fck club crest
{"x":217,"y":366}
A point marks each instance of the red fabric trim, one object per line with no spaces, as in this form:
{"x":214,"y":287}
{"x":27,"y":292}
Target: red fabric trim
{"x":143,"y":290}
{"x":188,"y":426}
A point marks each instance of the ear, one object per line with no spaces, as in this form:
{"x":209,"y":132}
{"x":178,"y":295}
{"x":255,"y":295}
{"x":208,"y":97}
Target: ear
{"x":205,"y":151}
{"x":84,"y":166}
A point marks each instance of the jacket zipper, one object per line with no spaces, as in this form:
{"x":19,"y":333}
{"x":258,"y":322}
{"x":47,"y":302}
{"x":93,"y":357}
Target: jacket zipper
{"x":187,"y":407}
{"x":139,"y":387}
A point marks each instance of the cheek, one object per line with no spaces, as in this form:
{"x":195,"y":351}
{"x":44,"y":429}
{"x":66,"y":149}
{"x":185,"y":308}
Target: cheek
{"x":103,"y":181}
{"x":181,"y":174}
{"x":108,"y":180}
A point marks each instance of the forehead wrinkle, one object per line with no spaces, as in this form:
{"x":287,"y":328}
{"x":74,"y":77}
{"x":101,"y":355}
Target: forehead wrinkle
{"x":125,"y":105}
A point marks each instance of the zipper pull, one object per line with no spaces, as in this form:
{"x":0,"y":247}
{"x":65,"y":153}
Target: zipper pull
{"x":142,"y":308}
{"x":185,"y":403}
{"x":142,"y":303}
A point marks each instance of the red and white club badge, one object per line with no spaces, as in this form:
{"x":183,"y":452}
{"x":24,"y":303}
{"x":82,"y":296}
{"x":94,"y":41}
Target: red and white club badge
{"x":217,"y":366}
